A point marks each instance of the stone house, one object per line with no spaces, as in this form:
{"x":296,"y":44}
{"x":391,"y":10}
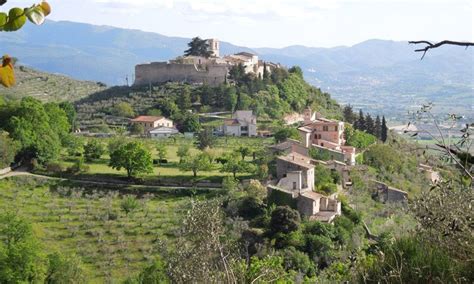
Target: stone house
{"x":295,"y":174}
{"x":151,"y":122}
{"x":433,"y":176}
{"x":328,"y":134}
{"x":242,"y":124}
{"x":388,"y":194}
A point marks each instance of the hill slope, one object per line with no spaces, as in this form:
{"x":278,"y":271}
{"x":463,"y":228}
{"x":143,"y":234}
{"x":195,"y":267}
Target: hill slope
{"x":49,"y":87}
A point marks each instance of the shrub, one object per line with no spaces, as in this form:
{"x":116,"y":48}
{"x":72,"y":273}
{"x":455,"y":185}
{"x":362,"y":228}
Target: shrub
{"x":284,"y":220}
{"x":54,"y":167}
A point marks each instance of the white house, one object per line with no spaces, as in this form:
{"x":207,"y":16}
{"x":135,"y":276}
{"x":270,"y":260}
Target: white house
{"x":162,"y":132}
{"x":242,"y":123}
{"x":151,"y":122}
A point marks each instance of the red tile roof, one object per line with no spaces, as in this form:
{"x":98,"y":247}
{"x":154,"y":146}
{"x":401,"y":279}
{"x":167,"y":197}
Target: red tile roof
{"x":146,"y":118}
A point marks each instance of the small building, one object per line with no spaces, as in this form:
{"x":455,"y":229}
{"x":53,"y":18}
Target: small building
{"x":242,"y":124}
{"x":151,"y":122}
{"x":162,"y":132}
{"x":388,"y":194}
{"x":295,"y":174}
{"x":328,"y":134}
{"x":433,"y":176}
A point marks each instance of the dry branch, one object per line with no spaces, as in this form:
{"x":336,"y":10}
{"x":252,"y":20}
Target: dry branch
{"x":430,"y":45}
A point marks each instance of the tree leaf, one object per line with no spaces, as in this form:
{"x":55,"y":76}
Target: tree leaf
{"x":7,"y":73}
{"x":35,"y":14}
{"x":16,"y":20}
{"x":3,"y":20}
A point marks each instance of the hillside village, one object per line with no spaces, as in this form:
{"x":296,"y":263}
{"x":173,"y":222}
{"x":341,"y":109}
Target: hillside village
{"x":209,"y":155}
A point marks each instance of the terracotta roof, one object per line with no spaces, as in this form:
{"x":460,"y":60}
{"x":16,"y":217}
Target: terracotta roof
{"x":146,"y":118}
{"x":298,"y":159}
{"x":305,"y":129}
{"x":247,"y":54}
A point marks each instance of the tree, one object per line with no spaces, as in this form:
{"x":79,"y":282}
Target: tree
{"x":198,"y":47}
{"x":137,"y":129}
{"x":256,"y":189}
{"x":123,"y":109}
{"x":357,"y":138}
{"x":234,"y":166}
{"x":182,"y":152}
{"x":71,"y":113}
{"x":244,"y":151}
{"x":162,"y":151}
{"x":58,"y":120}
{"x":8,"y":150}
{"x":384,"y":130}
{"x":430,"y":45}
{"x":349,"y":115}
{"x":64,"y":269}
{"x":190,"y":123}
{"x":20,"y":258}
{"x":377,"y":128}
{"x":360,"y":122}
{"x":184,"y":100}
{"x":369,"y":124}
{"x":93,"y":150}
{"x":284,"y":220}
{"x":133,"y":157}
{"x":30,"y":126}
{"x":284,"y":133}
{"x":206,"y":138}
{"x":199,"y":162}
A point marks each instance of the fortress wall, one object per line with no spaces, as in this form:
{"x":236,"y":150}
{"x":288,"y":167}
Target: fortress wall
{"x":161,"y":72}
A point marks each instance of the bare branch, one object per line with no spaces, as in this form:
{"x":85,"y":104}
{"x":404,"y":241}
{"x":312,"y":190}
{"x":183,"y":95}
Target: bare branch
{"x":430,"y":45}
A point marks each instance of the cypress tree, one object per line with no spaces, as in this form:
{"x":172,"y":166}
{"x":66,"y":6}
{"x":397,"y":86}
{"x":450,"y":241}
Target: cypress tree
{"x":369,"y":124}
{"x":360,"y":123}
{"x":384,"y":132}
{"x":378,"y":127}
{"x":349,"y":115}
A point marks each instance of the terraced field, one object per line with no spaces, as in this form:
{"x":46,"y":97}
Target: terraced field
{"x":92,"y":224}
{"x":49,"y":87}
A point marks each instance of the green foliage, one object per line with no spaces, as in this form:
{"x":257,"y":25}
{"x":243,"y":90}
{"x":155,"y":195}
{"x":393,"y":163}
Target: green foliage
{"x":286,"y":132}
{"x":383,"y":157}
{"x":256,"y":189}
{"x":129,"y":204}
{"x":325,"y":180}
{"x":298,"y":261}
{"x":250,"y":207}
{"x":284,"y":220}
{"x":29,"y":124}
{"x":319,"y":154}
{"x":357,"y":138}
{"x":71,"y":113}
{"x":58,"y":120}
{"x":408,"y":260}
{"x":154,"y":273}
{"x":64,"y":269}
{"x":93,"y":150}
{"x":196,"y":163}
{"x":8,"y":150}
{"x":235,"y":166}
{"x":21,"y":260}
{"x":133,"y":157}
{"x":162,"y":151}
{"x":78,"y":167}
{"x":229,"y":184}
{"x":123,"y":109}
{"x":263,"y":270}
{"x":198,"y":47}
{"x":182,"y":152}
{"x":205,"y":138}
{"x":137,"y":129}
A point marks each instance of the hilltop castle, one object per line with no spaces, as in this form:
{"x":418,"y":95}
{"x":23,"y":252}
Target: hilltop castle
{"x":198,"y":69}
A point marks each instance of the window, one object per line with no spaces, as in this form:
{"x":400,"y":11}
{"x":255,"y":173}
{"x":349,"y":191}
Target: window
{"x":244,"y":128}
{"x":325,"y":128}
{"x":335,"y":128}
{"x":294,"y":185}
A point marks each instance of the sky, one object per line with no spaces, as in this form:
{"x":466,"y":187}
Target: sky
{"x":278,"y":23}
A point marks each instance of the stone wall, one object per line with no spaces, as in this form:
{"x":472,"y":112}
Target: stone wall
{"x":161,"y":72}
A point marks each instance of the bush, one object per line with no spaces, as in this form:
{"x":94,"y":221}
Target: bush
{"x":284,"y":220}
{"x":93,"y":150}
{"x":250,"y":207}
{"x":78,"y":167}
{"x":54,"y":167}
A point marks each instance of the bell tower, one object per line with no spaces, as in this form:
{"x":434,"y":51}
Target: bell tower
{"x":214,"y":46}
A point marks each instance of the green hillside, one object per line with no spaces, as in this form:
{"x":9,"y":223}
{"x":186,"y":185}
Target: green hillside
{"x":49,"y":87}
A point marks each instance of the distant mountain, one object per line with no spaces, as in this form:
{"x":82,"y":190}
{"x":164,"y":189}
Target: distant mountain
{"x":377,"y":75}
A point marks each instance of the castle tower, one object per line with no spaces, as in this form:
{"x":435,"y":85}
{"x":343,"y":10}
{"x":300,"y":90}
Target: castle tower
{"x":214,"y":46}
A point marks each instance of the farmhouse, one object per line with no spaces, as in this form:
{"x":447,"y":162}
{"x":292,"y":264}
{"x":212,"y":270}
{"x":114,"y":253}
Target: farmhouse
{"x":295,"y":174}
{"x":151,"y":122}
{"x":242,"y":123}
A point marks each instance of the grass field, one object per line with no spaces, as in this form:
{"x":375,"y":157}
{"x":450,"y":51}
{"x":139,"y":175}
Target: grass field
{"x":92,"y":225}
